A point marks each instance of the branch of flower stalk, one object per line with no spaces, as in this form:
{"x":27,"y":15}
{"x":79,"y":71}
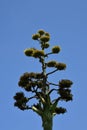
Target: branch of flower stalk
{"x":32,"y":97}
{"x":48,"y":54}
{"x":40,"y":42}
{"x":51,"y":72}
{"x":36,"y":110}
{"x":34,"y":90}
{"x":52,"y":84}
{"x":54,"y":104}
{"x":40,"y":97}
{"x":56,"y":100}
{"x":52,"y":91}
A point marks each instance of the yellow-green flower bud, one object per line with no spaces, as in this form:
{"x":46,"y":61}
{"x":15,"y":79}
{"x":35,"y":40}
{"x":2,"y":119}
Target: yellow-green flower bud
{"x":56,"y":49}
{"x":60,"y":66}
{"x":38,"y":53}
{"x":35,"y":36}
{"x":47,"y":34}
{"x":51,"y":63}
{"x":28,"y":52}
{"x":45,"y":45}
{"x":45,"y":38}
{"x":41,"y":32}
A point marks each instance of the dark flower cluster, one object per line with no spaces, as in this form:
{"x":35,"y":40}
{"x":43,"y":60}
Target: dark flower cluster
{"x":64,"y":90}
{"x":29,"y":81}
{"x":60,"y":110}
{"x":21,"y":101}
{"x":65,"y":83}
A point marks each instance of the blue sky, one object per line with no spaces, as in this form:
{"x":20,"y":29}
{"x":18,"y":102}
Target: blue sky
{"x":66,"y":21}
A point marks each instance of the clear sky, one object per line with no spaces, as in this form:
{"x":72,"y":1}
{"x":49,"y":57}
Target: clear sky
{"x":66,"y":21}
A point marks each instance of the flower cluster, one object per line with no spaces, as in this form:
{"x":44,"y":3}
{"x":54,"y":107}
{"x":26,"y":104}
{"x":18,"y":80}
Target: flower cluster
{"x":34,"y":52}
{"x":38,"y":53}
{"x":45,"y":45}
{"x":21,"y":101}
{"x":42,"y":36}
{"x":36,"y":36}
{"x":59,"y":66}
{"x":65,"y":83}
{"x":28,"y":81}
{"x":65,"y":94}
{"x":56,"y":49}
{"x":64,"y":91}
{"x":45,"y":38}
{"x":51,"y":63}
{"x":60,"y":110}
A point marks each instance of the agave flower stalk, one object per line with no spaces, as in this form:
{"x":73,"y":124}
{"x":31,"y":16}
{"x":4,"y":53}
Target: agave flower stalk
{"x":39,"y":85}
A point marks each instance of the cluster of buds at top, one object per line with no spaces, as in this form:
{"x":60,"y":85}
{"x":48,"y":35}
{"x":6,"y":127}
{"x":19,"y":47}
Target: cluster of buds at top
{"x":42,"y":36}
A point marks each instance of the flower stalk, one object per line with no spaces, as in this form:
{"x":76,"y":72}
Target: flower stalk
{"x":39,"y":85}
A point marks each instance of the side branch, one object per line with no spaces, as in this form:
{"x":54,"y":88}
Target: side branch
{"x":52,"y":91}
{"x":52,"y":72}
{"x":56,"y":100}
{"x":48,"y":54}
{"x":32,"y":97}
{"x":52,"y":84}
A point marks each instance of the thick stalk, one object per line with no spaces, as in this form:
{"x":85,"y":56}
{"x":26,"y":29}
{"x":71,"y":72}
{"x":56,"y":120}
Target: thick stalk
{"x":47,"y":120}
{"x":47,"y":117}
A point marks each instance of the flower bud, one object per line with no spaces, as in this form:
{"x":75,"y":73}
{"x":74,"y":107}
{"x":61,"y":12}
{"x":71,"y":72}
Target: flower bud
{"x":56,"y":49}
{"x":41,"y":32}
{"x":51,"y":63}
{"x":47,"y":34}
{"x":35,"y":36}
{"x":28,"y":52}
{"x":45,"y":45}
{"x":60,"y":66}
{"x":38,"y":53}
{"x":45,"y":38}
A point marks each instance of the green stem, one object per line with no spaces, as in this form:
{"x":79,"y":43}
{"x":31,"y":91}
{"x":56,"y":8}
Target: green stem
{"x":47,"y":121}
{"x":47,"y":117}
